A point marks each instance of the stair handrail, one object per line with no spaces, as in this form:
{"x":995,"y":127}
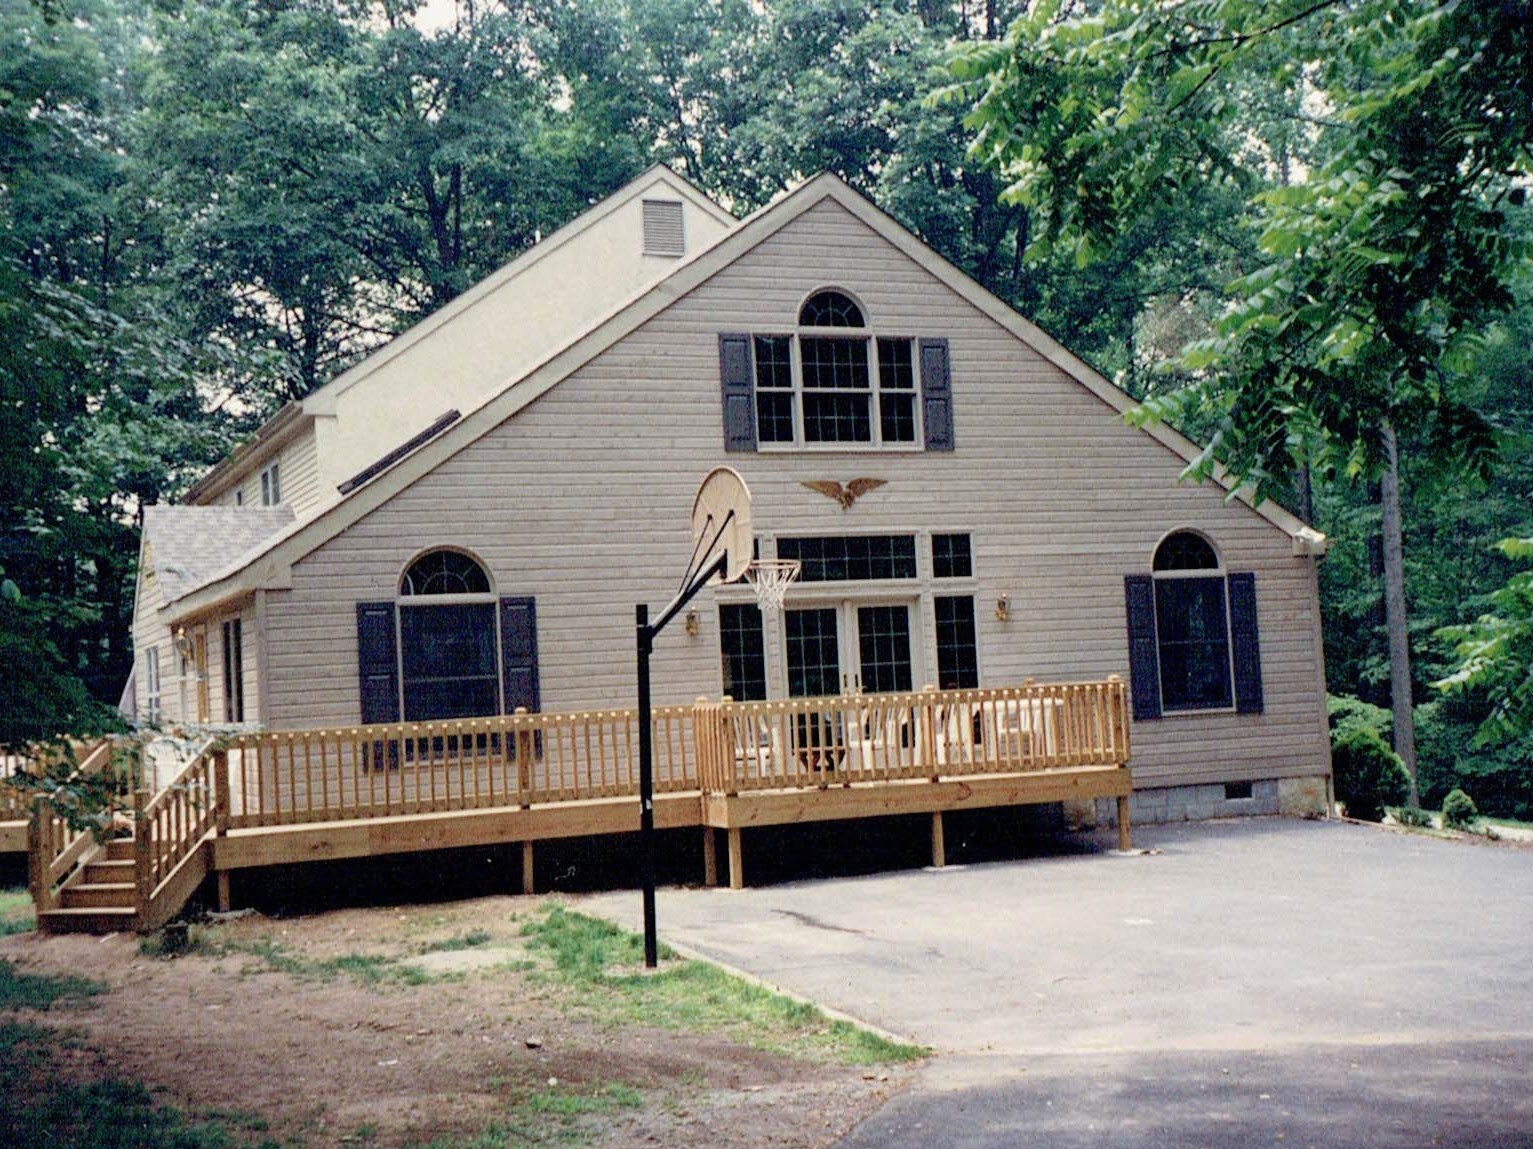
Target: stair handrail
{"x":54,"y":848}
{"x":170,"y":824}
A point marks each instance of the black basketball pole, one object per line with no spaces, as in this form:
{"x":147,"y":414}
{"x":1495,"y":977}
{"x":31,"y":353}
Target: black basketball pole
{"x":645,"y":636}
{"x":646,"y":788}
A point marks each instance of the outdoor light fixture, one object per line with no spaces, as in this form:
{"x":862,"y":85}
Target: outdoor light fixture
{"x":1002,"y":609}
{"x":183,"y":643}
{"x":693,"y":623}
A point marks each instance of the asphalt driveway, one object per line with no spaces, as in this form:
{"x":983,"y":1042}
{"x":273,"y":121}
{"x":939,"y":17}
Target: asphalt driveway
{"x":1256,"y":982}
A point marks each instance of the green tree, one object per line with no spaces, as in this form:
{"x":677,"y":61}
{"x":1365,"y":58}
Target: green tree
{"x":1380,"y":269}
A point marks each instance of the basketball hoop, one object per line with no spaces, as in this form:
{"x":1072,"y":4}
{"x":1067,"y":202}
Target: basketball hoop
{"x":770,"y":579}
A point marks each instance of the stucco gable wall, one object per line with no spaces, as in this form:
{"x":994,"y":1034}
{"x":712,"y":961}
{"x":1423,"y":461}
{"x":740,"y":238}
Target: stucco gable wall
{"x":582,"y":500}
{"x":487,"y":345}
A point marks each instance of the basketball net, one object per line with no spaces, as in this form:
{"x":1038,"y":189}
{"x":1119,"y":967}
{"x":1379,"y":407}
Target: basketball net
{"x":770,"y":579}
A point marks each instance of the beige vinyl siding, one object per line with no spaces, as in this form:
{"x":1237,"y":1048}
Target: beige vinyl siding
{"x":297,"y":471}
{"x":516,"y":323}
{"x":299,"y":462}
{"x":582,"y":501}
{"x":149,"y":631}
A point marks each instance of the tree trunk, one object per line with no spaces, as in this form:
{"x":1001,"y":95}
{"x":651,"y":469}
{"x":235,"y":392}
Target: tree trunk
{"x":1394,"y":611}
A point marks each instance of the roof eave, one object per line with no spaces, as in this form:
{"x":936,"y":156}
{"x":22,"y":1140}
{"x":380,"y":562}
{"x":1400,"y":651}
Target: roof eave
{"x":272,"y":434}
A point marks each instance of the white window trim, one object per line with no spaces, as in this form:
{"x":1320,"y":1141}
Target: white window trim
{"x":1222,"y":574}
{"x":403,"y":602}
{"x":153,"y":696}
{"x":271,"y":484}
{"x":870,"y":338}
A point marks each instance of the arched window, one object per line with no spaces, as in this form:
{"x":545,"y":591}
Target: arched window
{"x":448,"y":639}
{"x":444,"y":572}
{"x":1192,"y":625}
{"x":830,"y":309}
{"x":834,"y":381}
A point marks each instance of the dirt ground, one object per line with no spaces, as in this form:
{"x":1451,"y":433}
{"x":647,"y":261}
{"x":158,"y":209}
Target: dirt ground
{"x":330,"y":1061}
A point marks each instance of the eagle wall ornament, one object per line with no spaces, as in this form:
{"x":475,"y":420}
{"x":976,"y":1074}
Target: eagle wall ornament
{"x":846,"y":495}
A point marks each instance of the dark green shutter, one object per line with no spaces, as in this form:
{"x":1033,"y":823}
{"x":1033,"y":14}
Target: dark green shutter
{"x":377,"y":662}
{"x":1143,"y":659}
{"x":739,"y":385}
{"x":1246,"y":644}
{"x":519,"y":653}
{"x":936,"y":395}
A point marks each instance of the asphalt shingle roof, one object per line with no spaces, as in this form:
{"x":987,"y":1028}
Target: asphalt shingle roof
{"x":190,"y":544}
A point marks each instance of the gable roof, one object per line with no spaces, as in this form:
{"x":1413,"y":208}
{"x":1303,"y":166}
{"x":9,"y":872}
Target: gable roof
{"x":321,"y":401}
{"x":189,"y":545}
{"x":297,"y":414}
{"x":280,"y":552}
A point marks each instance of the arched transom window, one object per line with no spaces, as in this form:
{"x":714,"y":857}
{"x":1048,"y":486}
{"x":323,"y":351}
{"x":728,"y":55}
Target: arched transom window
{"x":1192,"y":626}
{"x":444,"y":572}
{"x":835,"y":381}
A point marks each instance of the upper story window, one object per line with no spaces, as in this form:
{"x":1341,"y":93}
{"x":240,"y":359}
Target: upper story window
{"x":271,"y":485}
{"x":835,"y":381}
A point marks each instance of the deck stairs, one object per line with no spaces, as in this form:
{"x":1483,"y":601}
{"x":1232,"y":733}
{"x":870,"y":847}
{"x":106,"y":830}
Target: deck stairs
{"x":100,"y":897}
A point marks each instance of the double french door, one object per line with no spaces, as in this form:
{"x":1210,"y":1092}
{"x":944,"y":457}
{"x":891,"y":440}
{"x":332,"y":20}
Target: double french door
{"x":849,"y":647}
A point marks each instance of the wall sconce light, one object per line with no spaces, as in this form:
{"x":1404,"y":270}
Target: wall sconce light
{"x":183,"y":643}
{"x":693,"y":622}
{"x":1002,"y":609}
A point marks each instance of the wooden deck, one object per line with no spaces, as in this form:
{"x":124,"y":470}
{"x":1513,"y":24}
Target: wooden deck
{"x":271,"y":799}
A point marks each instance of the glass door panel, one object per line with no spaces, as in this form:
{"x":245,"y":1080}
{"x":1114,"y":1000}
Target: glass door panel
{"x":883,"y":647}
{"x":814,"y":652}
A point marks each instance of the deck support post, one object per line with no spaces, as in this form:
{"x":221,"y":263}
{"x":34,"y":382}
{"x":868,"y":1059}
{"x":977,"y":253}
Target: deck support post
{"x":528,"y":886}
{"x":939,"y":843}
{"x":710,"y":859}
{"x":1125,"y":836}
{"x":38,"y":833}
{"x":736,"y":860}
{"x":224,"y":894}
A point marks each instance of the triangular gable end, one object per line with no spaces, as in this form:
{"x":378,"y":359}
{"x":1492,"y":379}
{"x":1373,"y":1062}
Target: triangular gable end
{"x":274,"y":563}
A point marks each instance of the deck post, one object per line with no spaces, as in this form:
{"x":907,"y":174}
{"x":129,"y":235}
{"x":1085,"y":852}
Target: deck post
{"x":142,"y":857}
{"x":224,"y":894}
{"x":221,"y":792}
{"x":528,"y":885}
{"x":939,"y":843}
{"x":1125,"y":837}
{"x":929,"y":733}
{"x":710,"y":859}
{"x":37,"y":864}
{"x":524,"y":776}
{"x":736,"y":860}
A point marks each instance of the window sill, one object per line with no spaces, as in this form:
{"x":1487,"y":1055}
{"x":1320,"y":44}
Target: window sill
{"x":843,"y":449}
{"x":1195,"y":711}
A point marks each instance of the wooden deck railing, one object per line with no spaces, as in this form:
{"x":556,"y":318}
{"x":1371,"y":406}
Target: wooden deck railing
{"x":170,"y":826}
{"x":416,"y":768}
{"x":54,"y":848}
{"x":804,"y":742}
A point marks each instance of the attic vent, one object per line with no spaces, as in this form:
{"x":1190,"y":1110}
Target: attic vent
{"x":662,"y":228}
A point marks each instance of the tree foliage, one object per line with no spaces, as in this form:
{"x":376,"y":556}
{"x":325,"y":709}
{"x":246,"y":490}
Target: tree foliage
{"x":1378,"y":271}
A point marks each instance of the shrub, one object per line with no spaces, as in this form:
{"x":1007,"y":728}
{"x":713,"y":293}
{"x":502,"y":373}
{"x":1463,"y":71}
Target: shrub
{"x":1369,"y":775}
{"x":1459,"y":811}
{"x":1413,"y":816}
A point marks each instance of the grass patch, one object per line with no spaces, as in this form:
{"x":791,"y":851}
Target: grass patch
{"x":41,"y":1109}
{"x":16,"y":913}
{"x":464,"y":941}
{"x":42,"y":991}
{"x":604,"y":963}
{"x":558,"y":1115}
{"x":376,"y":971}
